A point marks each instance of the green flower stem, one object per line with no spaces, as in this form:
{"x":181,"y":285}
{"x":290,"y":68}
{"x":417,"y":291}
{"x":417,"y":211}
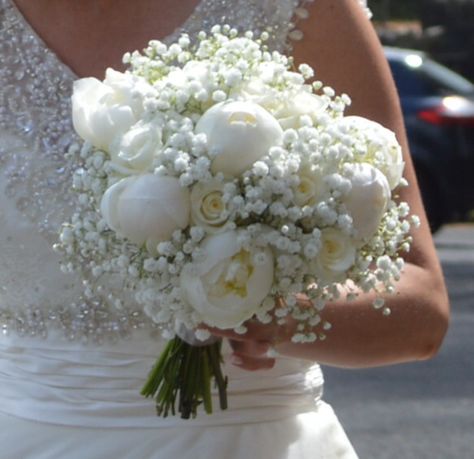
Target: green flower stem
{"x":183,"y":373}
{"x":215,"y":359}
{"x":206,"y":384}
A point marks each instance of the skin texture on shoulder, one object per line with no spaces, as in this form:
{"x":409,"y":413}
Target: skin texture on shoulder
{"x":91,"y":35}
{"x":341,"y":45}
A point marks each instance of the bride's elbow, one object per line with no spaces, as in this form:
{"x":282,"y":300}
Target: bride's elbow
{"x":436,"y":329}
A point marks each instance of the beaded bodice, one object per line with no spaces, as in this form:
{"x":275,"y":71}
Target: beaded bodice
{"x":35,"y":181}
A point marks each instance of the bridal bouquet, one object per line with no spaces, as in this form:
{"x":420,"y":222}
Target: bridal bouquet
{"x":217,"y":183}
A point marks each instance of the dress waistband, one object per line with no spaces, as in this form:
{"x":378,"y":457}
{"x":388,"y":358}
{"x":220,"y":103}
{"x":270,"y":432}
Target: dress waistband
{"x":100,"y":387}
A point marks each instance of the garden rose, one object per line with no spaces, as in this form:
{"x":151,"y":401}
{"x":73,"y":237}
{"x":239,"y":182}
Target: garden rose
{"x":310,"y":188}
{"x":208,"y":208}
{"x":146,"y":208}
{"x":335,"y":257}
{"x":136,"y":149}
{"x":227,"y":287}
{"x":239,"y":133}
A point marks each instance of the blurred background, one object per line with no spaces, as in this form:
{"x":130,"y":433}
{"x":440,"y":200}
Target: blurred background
{"x":444,"y":28}
{"x":430,"y":48}
{"x":426,"y":409}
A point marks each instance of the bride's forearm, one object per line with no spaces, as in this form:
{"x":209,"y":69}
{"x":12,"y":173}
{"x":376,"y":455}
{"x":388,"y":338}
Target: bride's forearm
{"x":346,"y":53}
{"x":362,"y":336}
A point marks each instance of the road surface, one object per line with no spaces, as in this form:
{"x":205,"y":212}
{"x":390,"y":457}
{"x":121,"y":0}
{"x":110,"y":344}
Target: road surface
{"x":423,"y":410}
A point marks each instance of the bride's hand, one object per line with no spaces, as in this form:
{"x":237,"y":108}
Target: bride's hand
{"x":250,"y":350}
{"x":254,"y":350}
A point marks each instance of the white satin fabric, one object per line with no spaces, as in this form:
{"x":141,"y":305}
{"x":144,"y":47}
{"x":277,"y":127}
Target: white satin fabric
{"x":73,"y":384}
{"x":314,"y":435}
{"x":62,"y":399}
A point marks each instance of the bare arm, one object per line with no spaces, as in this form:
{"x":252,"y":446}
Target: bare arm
{"x":342,"y":47}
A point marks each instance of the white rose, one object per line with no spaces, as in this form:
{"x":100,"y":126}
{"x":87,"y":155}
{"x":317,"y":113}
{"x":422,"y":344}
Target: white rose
{"x":368,"y":199}
{"x":335,"y":257}
{"x":146,"y":208}
{"x":297,"y":105}
{"x":383,"y":150}
{"x":256,"y":91}
{"x":128,"y":89}
{"x":101,"y":111}
{"x":310,"y":187}
{"x":137,"y":148}
{"x":226,"y":288}
{"x":208,"y":208}
{"x":239,"y":133}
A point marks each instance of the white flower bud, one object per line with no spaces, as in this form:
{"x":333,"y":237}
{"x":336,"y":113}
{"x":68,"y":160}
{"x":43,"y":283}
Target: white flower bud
{"x":146,"y":208}
{"x":239,"y":133}
{"x":368,"y":199}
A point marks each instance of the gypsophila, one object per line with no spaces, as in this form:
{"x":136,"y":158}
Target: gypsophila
{"x":218,"y":180}
{"x":310,"y":166}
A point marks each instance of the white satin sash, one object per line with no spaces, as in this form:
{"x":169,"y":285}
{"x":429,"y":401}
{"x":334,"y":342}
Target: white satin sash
{"x":66,"y":383}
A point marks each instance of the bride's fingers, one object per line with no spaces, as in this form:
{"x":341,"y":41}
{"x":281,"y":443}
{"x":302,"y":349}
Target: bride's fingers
{"x":250,"y":350}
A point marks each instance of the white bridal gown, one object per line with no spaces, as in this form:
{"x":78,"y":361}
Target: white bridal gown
{"x":71,"y":369}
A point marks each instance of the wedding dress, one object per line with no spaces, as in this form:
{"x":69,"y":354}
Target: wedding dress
{"x":70,"y":368}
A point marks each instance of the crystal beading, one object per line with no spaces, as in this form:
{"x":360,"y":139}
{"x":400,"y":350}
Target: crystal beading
{"x":34,"y":100}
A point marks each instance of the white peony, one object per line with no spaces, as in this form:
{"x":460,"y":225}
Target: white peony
{"x":137,"y":148}
{"x":382,"y":149}
{"x":227,"y":287}
{"x":238,"y":133}
{"x":208,"y":208}
{"x":146,"y":208}
{"x":335,"y":257}
{"x":102,"y":111}
{"x":368,"y":199}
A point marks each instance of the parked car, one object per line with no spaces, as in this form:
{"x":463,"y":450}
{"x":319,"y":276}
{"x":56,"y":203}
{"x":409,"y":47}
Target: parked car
{"x":438,"y":107}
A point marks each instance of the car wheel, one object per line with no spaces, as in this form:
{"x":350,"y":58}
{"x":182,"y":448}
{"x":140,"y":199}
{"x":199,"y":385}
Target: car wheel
{"x":431,"y":200}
